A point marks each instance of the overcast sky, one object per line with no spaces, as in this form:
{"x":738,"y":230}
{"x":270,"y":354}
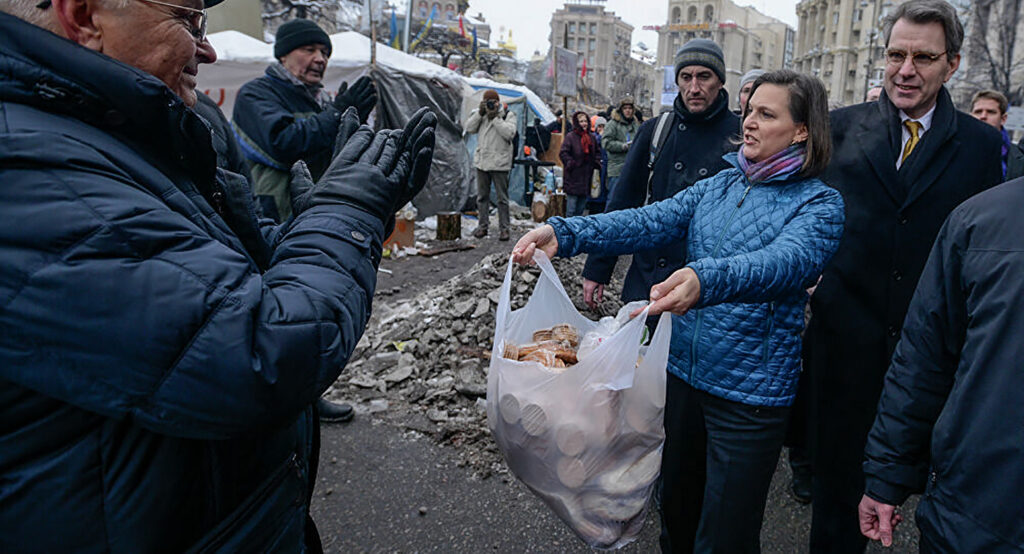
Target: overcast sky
{"x":530,"y":20}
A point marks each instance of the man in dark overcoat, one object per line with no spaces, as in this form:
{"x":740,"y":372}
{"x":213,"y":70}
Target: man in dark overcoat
{"x":698,"y":133}
{"x":902,"y":164}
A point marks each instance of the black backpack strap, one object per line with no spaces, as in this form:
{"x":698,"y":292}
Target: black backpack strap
{"x":657,"y":141}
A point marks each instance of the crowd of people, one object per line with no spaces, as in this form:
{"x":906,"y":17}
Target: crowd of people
{"x":180,"y":288}
{"x":905,"y":379}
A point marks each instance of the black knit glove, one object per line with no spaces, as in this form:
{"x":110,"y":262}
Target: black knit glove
{"x":362,"y":96}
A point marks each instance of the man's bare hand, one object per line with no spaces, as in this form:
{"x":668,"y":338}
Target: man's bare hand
{"x":877,"y":520}
{"x":593,"y":293}
{"x":677,"y":294}
{"x":542,"y":237}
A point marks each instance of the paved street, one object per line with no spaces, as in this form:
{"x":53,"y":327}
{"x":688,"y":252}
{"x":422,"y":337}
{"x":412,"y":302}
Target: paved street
{"x":375,"y":477}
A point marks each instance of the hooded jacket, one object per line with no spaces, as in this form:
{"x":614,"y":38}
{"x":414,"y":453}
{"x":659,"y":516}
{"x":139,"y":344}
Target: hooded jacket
{"x":755,"y":249}
{"x":617,"y":133}
{"x":159,"y":347}
{"x":578,"y":165}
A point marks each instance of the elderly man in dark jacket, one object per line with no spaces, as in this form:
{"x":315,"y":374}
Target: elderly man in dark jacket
{"x":286,"y":115}
{"x":160,"y":348}
{"x":902,"y":164}
{"x":697,"y":135}
{"x":951,"y":418}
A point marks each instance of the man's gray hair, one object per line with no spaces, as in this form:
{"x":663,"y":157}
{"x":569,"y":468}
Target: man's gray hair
{"x":929,"y":11}
{"x":26,"y":10}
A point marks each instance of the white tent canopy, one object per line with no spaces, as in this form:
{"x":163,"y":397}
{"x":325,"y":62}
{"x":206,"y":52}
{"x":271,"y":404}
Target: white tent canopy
{"x":241,"y":58}
{"x":405,"y":83}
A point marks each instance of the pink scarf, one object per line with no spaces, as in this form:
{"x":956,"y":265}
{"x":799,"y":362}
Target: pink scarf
{"x":783,"y":163}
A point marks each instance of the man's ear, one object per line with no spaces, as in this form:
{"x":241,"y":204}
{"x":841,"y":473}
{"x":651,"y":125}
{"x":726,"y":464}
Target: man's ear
{"x":77,"y":19}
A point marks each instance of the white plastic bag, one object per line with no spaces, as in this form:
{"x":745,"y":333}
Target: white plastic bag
{"x":587,"y":440}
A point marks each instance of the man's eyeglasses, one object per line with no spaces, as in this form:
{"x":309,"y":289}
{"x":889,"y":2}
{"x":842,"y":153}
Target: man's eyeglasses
{"x":920,"y":60}
{"x":195,"y":19}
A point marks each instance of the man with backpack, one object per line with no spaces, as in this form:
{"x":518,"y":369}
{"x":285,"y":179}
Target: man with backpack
{"x":618,"y":137}
{"x":670,"y":152}
{"x":496,"y":131}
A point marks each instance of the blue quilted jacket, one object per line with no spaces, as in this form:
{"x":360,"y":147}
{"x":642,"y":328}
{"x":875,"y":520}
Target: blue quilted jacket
{"x":756,"y":249}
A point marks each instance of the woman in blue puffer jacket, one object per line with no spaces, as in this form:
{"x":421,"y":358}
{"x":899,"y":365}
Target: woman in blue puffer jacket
{"x":758,"y":235}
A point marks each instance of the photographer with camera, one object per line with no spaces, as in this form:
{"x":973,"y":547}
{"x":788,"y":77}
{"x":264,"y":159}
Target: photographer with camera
{"x":495,"y":128}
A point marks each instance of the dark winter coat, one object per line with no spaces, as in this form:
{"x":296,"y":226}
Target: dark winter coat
{"x":617,"y":133}
{"x":229,"y":154}
{"x":892,"y":218}
{"x":156,"y":368}
{"x":279,"y":123}
{"x":578,"y":166}
{"x":755,"y":249}
{"x":951,"y":417}
{"x":1014,"y":162}
{"x":692,"y":151}
{"x":602,"y":196}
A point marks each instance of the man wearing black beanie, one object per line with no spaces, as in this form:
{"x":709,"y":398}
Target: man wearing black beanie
{"x":689,"y":147}
{"x":286,"y":115}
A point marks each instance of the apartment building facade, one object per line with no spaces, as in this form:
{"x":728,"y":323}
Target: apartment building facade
{"x":841,"y":42}
{"x":601,"y":38}
{"x":749,"y":38}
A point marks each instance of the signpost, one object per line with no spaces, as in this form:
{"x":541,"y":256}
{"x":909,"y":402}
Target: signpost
{"x":565,"y":75}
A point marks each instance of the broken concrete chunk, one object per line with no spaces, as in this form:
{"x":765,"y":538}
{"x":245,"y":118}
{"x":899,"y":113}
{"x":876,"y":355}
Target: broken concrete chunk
{"x":384,"y":361}
{"x":437,"y":416}
{"x":400,"y":374}
{"x":463,"y":307}
{"x":482,"y":307}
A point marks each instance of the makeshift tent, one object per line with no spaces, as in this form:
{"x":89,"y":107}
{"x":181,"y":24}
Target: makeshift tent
{"x":404,"y":84}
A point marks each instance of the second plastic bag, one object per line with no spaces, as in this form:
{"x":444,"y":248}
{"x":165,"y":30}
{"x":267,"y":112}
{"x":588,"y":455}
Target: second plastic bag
{"x":587,"y":439}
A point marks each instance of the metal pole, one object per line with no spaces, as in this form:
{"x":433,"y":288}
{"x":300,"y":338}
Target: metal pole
{"x":408,"y":24}
{"x":565,"y":99}
{"x":373,"y":34}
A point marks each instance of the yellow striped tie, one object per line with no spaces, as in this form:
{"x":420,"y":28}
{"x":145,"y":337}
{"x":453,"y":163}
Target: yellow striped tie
{"x":913,"y":127}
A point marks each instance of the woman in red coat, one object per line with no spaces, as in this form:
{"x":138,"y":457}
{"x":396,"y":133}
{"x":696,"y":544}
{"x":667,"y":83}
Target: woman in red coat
{"x":580,"y":157}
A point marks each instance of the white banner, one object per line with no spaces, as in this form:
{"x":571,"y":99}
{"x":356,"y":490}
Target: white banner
{"x":565,"y":71}
{"x":669,"y":88}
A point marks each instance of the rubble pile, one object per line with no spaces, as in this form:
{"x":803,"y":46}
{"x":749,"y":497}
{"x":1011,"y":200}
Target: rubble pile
{"x":423,"y":362}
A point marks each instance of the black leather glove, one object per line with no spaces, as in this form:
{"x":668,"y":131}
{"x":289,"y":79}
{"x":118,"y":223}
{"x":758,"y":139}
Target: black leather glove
{"x":483,"y":107}
{"x":418,"y":138}
{"x":375,"y":173}
{"x":362,"y":96}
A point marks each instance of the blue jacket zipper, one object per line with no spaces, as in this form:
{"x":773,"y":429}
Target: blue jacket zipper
{"x":767,"y":336}
{"x":700,"y":313}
